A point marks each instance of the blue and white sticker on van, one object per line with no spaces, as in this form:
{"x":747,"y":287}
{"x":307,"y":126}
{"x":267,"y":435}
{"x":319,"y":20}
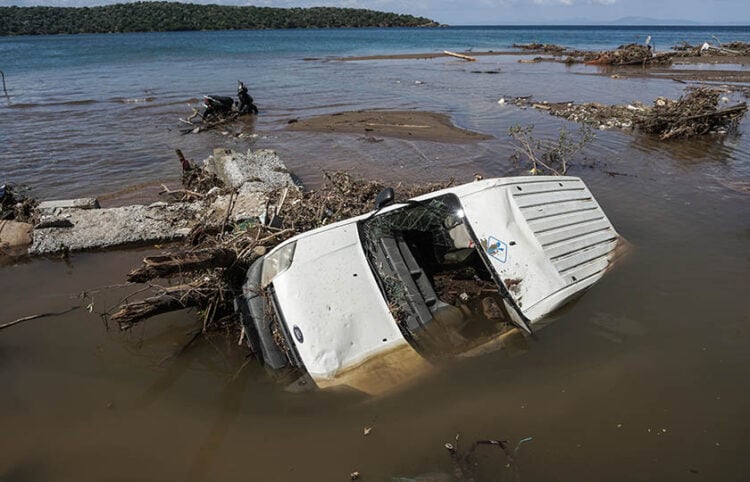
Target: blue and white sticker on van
{"x":497,"y":249}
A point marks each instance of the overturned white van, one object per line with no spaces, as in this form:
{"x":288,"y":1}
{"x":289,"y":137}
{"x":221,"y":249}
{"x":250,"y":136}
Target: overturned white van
{"x":370,"y":301}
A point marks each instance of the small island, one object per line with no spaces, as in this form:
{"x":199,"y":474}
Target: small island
{"x":174,"y":16}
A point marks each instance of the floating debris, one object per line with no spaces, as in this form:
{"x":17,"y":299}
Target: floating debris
{"x":537,"y":47}
{"x":696,"y":113}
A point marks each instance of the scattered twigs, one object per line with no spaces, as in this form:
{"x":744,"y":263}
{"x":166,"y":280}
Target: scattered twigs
{"x":230,"y":208}
{"x":171,"y":299}
{"x":189,"y":120}
{"x":208,"y":123}
{"x":275,"y":235}
{"x":464,"y":466}
{"x":180,"y":193}
{"x":503,"y":444}
{"x":34,"y":317}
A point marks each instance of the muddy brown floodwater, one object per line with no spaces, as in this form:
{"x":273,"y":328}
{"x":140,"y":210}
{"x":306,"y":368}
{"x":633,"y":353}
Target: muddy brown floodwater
{"x":645,"y":377}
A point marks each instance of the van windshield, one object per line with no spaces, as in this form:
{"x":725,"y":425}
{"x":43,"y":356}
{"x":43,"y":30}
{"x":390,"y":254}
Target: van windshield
{"x":433,"y":277}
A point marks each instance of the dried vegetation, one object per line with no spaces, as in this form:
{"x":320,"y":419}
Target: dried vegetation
{"x":696,"y":113}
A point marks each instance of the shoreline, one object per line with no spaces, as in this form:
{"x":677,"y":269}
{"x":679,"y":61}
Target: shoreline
{"x":719,"y":60}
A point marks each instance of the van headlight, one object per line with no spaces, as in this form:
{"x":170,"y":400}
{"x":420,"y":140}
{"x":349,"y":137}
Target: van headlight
{"x":276,"y":263}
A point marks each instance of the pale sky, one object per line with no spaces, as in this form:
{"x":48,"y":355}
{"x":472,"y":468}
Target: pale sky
{"x":499,"y":12}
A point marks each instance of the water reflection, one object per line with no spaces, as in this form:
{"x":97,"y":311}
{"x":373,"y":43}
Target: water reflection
{"x":713,"y":148}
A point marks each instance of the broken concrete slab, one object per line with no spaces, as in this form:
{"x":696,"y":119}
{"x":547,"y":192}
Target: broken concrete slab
{"x":81,"y":203}
{"x":15,"y":237}
{"x":108,"y":228}
{"x":80,"y":224}
{"x":262,"y":167}
{"x":249,"y":203}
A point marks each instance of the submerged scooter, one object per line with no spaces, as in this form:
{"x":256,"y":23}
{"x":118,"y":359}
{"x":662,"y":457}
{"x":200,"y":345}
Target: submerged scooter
{"x":246,"y":105}
{"x":217,"y":107}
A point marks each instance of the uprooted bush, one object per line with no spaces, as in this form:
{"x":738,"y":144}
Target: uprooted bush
{"x":548,"y":156}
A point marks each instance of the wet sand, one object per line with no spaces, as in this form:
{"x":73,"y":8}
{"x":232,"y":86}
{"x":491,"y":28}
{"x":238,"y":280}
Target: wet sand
{"x":736,"y":75}
{"x":415,"y":125}
{"x":424,"y":55}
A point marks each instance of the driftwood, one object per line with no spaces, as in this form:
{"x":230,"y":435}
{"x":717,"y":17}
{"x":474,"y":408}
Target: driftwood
{"x":171,"y":299}
{"x":180,"y":263}
{"x":210,"y":123}
{"x":460,"y":56}
{"x":34,"y":317}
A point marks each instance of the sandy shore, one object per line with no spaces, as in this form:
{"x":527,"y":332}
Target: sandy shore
{"x":416,"y":125}
{"x":686,"y":75}
{"x":425,"y":55}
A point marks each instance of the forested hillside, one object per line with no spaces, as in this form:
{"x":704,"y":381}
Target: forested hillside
{"x":172,"y":16}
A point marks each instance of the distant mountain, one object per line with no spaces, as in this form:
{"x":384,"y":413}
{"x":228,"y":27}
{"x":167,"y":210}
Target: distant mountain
{"x":649,"y":21}
{"x":624,"y":21}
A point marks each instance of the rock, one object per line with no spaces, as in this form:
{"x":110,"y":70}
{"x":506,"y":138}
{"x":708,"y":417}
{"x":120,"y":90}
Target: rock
{"x":15,"y":237}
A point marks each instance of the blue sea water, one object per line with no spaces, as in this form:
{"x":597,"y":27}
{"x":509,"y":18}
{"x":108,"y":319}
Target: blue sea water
{"x":62,"y":51}
{"x":86,"y":112}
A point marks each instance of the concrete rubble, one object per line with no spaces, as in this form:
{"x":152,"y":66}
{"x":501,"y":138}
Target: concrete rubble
{"x":259,"y":170}
{"x":45,"y":207}
{"x":80,"y":224}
